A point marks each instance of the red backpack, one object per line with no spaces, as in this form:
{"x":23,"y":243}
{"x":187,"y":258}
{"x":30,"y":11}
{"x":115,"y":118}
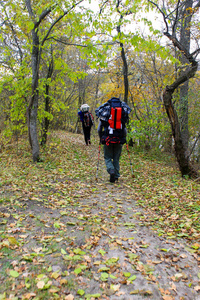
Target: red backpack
{"x":115,"y":120}
{"x":114,"y":128}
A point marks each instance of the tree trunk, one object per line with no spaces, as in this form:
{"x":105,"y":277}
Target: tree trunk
{"x":36,"y":54}
{"x":125,"y":67}
{"x":180,"y":150}
{"x":46,"y":121}
{"x":125,"y":73}
{"x":185,"y":15}
{"x":185,"y":40}
{"x":183,"y":113}
{"x":123,"y":55}
{"x":33,"y":105}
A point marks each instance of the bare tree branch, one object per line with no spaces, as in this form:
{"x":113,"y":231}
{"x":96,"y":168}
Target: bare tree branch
{"x":176,"y":18}
{"x":101,"y":9}
{"x":58,"y":19}
{"x":164,"y":17}
{"x":194,"y":145}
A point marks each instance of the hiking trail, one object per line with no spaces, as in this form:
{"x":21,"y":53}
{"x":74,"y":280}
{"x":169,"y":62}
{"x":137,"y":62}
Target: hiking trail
{"x":72,"y":237}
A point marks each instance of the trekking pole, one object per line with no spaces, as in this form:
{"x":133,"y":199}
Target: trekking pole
{"x":130,"y":160}
{"x":98,"y":161}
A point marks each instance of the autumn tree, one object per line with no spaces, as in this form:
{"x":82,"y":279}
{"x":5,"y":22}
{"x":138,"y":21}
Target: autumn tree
{"x":184,"y":11}
{"x":32,"y":32}
{"x":37,"y":46}
{"x":149,"y":71}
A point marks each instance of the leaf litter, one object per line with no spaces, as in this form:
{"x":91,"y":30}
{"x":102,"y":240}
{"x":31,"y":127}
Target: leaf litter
{"x":65,"y":235}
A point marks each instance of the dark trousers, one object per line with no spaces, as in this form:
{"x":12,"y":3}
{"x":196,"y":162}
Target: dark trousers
{"x":86,"y":132}
{"x":112,"y":155}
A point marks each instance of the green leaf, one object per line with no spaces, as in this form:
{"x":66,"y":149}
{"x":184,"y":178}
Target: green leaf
{"x":132,"y":278}
{"x":81,"y":292}
{"x":196,"y":247}
{"x":63,"y":213}
{"x":190,"y":250}
{"x":30,"y":25}
{"x":165,"y":250}
{"x":111,"y":261}
{"x":134,"y":292}
{"x":102,"y":252}
{"x":129,"y":224}
{"x":77,"y":271}
{"x":112,"y":276}
{"x":132,"y":256}
{"x":41,"y":276}
{"x":89,"y":296}
{"x":12,"y":240}
{"x":28,"y":285}
{"x":144,"y":246}
{"x":127,"y":274}
{"x":79,"y":251}
{"x":103,"y":269}
{"x":71,"y":223}
{"x":63,"y":251}
{"x":14,"y":274}
{"x":3,"y":296}
{"x":104,"y":276}
{"x":56,"y":225}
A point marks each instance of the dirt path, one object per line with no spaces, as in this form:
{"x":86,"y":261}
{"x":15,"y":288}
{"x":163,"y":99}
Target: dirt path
{"x":77,"y":239}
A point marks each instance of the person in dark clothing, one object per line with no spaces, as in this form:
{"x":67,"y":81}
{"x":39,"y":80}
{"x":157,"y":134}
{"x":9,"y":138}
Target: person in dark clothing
{"x":112,"y":153}
{"x":87,"y":121}
{"x":113,"y":116}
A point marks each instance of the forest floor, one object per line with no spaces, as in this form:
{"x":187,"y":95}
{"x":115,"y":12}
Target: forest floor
{"x":65,"y":235}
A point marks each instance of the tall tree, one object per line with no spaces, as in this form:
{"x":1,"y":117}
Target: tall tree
{"x":123,"y":54}
{"x":37,"y":46}
{"x":172,"y":34}
{"x":185,"y":37}
{"x":46,"y":120}
{"x":120,"y":12}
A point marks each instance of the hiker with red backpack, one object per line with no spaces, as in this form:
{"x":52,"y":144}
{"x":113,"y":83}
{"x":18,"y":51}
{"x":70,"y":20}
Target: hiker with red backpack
{"x":87,"y":120}
{"x":113,"y":117}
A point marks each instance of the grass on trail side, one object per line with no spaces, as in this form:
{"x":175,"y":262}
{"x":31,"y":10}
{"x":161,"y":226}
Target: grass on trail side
{"x":38,"y":197}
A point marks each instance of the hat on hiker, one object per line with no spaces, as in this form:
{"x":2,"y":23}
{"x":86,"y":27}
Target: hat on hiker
{"x":85,"y":107}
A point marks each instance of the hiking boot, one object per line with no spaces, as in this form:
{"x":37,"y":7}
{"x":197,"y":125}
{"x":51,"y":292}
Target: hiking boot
{"x":89,"y":142}
{"x":112,"y":175}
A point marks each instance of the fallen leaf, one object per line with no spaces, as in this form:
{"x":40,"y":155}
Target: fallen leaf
{"x":40,"y":284}
{"x":120,"y":293}
{"x":63,"y":281}
{"x":55,"y":275}
{"x":102,"y":252}
{"x":173,"y":286}
{"x":134,"y":292}
{"x":63,"y":251}
{"x":69,"y":297}
{"x":14,"y":274}
{"x":119,"y":242}
{"x":115,"y":287}
{"x":168,"y":297}
{"x":53,"y":290}
{"x":12,"y":240}
{"x":183,"y":255}
{"x":80,"y":292}
{"x":29,"y":296}
{"x":132,"y":278}
{"x":97,"y":263}
{"x":156,"y":262}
